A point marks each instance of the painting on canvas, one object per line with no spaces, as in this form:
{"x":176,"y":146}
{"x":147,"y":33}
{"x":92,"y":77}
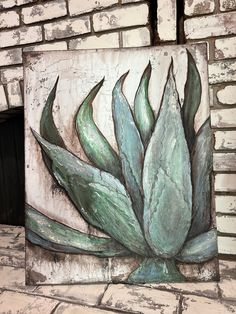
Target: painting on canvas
{"x":118,"y":166}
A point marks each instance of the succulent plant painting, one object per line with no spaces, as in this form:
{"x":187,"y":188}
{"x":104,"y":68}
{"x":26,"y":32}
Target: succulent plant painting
{"x":152,"y":198}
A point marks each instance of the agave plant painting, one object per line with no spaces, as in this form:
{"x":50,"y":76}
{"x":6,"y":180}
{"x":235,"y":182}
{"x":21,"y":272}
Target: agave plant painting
{"x":145,"y":201}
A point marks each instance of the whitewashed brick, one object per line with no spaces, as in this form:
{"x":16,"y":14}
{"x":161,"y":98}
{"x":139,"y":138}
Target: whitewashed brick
{"x":121,"y":17}
{"x":222,"y":71}
{"x":64,"y":308}
{"x":61,"y":45}
{"x":225,"y":140}
{"x":198,"y":7}
{"x":227,"y":95}
{"x":11,"y":56}
{"x":227,"y":245}
{"x":225,"y":182}
{"x":14,"y":94}
{"x":3,"y":100}
{"x":5,"y":4}
{"x":129,"y":1}
{"x":9,"y":19}
{"x":224,"y":162}
{"x":227,"y":283}
{"x":226,"y":224}
{"x":67,"y":28}
{"x":95,"y":42}
{"x":20,"y":36}
{"x":42,"y":12}
{"x":21,"y":2}
{"x":79,"y":7}
{"x":225,"y":204}
{"x":166,"y":20}
{"x":11,"y":74}
{"x":223,"y":118}
{"x":136,"y":37}
{"x":208,"y":26}
{"x":227,"y":5}
{"x":225,"y":48}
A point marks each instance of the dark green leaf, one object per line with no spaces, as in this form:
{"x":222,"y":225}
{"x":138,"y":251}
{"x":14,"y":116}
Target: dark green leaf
{"x":101,"y":199}
{"x":52,"y":233}
{"x":199,"y":249}
{"x":202,"y":160}
{"x":192,"y":99}
{"x":95,"y":145}
{"x":130,"y":146}
{"x":143,"y":112}
{"x":167,"y":179}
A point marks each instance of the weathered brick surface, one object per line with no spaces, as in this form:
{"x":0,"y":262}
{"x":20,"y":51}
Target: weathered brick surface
{"x":20,"y":36}
{"x":136,"y":37}
{"x":198,"y":7}
{"x":11,"y":74}
{"x":72,"y":308}
{"x":226,"y":224}
{"x":9,"y":19}
{"x":224,"y":162}
{"x":227,"y":5}
{"x":225,"y":204}
{"x":14,"y":94}
{"x":212,"y":25}
{"x":228,"y":279}
{"x":227,"y":245}
{"x":222,"y":71}
{"x":226,"y":95}
{"x":225,"y":140}
{"x":67,"y":28}
{"x":79,"y":7}
{"x":223,"y":118}
{"x":121,"y":17}
{"x":42,"y":12}
{"x":166,"y":20}
{"x":3,"y":100}
{"x":94,"y":42}
{"x":10,"y":56}
{"x":62,"y":45}
{"x":225,"y":48}
{"x":225,"y":182}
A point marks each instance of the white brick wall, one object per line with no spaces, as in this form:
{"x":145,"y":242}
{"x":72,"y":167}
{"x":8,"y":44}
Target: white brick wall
{"x":198,"y":7}
{"x":226,"y":95}
{"x":79,"y":7}
{"x":9,"y":19}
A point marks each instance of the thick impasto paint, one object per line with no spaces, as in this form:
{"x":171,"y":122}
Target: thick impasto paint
{"x":119,"y":166}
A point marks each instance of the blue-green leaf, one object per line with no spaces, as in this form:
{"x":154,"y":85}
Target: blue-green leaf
{"x":52,"y":235}
{"x":130,"y":146}
{"x":94,"y":144}
{"x":101,"y":199}
{"x":167,"y":179}
{"x":199,"y":249}
{"x":143,"y":112}
{"x":202,"y":160}
{"x":192,"y":99}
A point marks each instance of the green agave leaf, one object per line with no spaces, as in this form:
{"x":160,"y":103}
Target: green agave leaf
{"x":167,"y":179}
{"x":130,"y":146}
{"x":143,"y":112}
{"x":48,"y":128}
{"x":51,"y":234}
{"x":192,"y":99}
{"x":199,"y":249}
{"x":95,"y":145}
{"x":101,"y":199}
{"x":202,"y":160}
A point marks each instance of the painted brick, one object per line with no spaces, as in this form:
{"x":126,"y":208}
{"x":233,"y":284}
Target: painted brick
{"x":14,"y":94}
{"x":21,"y":36}
{"x":79,"y":7}
{"x":227,"y":94}
{"x":11,"y":74}
{"x":3,"y":100}
{"x":62,"y":45}
{"x":121,"y":17}
{"x":64,"y":308}
{"x":227,"y":283}
{"x":129,"y":1}
{"x":9,"y":19}
{"x":226,"y":245}
{"x":222,"y":71}
{"x":140,"y":299}
{"x":198,"y":7}
{"x":194,"y":304}
{"x":223,"y":118}
{"x":11,"y":276}
{"x":227,"y":5}
{"x":5,"y":4}
{"x":42,"y":12}
{"x":208,"y":26}
{"x":225,"y":182}
{"x":11,"y":56}
{"x":224,"y":162}
{"x":225,"y":48}
{"x":136,"y":37}
{"x":226,"y":224}
{"x":21,"y":2}
{"x":94,"y":42}
{"x":225,"y":140}
{"x":225,"y":204}
{"x":166,"y":20}
{"x":67,"y":28}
